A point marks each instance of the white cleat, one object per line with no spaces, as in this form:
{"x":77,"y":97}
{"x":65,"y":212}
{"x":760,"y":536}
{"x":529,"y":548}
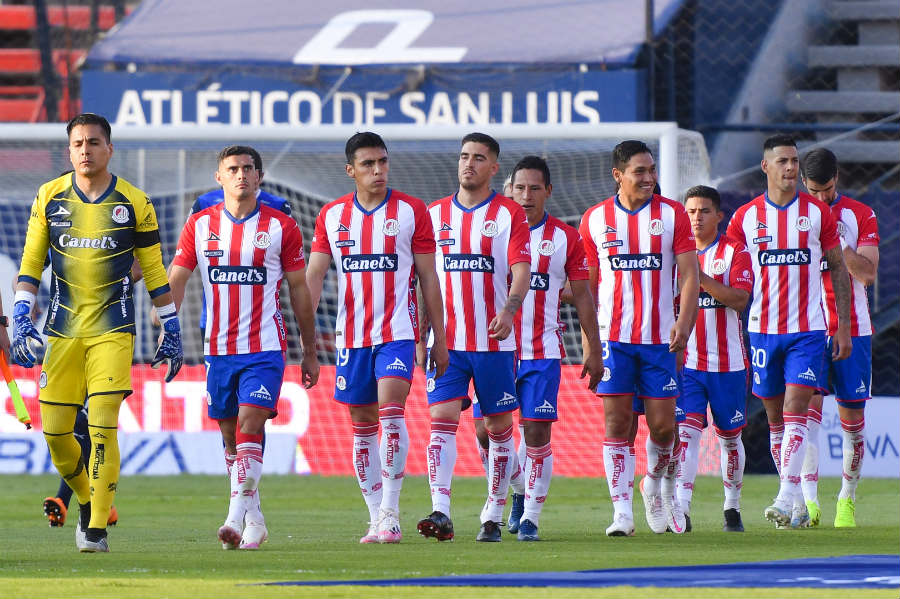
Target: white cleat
{"x":371,"y":535}
{"x":622,"y":526}
{"x":255,"y":534}
{"x":654,"y":510}
{"x":230,"y":535}
{"x":800,"y":516}
{"x":388,"y":528}
{"x":675,"y":517}
{"x":80,"y":537}
{"x":778,"y":513}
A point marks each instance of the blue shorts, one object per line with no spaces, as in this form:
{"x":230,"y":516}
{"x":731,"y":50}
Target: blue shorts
{"x":243,"y":380}
{"x":493,"y":375}
{"x":537,"y":385}
{"x":851,"y":379}
{"x":358,"y":370}
{"x":790,"y":359}
{"x":637,"y":404}
{"x":724,"y":392}
{"x":646,"y":371}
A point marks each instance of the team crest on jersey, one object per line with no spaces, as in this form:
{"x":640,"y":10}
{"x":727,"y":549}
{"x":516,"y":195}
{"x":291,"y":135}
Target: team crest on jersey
{"x":803,"y":223}
{"x":340,"y":382}
{"x":429,"y":385}
{"x":208,"y":396}
{"x":262,"y":240}
{"x":842,"y":228}
{"x":120,"y":214}
{"x":391,"y":227}
{"x":607,"y":374}
{"x":42,"y":383}
{"x":656,"y":227}
{"x":546,"y":248}
{"x":490,"y":228}
{"x":756,"y":378}
{"x":718,"y":266}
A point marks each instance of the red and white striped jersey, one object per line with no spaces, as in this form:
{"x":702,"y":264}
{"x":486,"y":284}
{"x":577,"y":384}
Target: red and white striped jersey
{"x":857,"y":226}
{"x":475,"y":249}
{"x":716,"y":343}
{"x":786,"y":245}
{"x":243,"y":262}
{"x":374,"y":255}
{"x":634,"y":253}
{"x":556,"y":255}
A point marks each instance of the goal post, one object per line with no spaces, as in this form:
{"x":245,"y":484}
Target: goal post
{"x":174,"y":164}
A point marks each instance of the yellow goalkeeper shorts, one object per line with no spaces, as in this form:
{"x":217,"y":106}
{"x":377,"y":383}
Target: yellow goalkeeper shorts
{"x":75,"y":368}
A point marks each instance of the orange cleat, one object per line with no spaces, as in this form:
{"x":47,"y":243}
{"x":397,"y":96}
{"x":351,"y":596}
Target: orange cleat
{"x":55,"y":510}
{"x":113,"y":516}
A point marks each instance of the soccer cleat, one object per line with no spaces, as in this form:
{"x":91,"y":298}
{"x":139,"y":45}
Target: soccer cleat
{"x":230,"y":535}
{"x":94,"y":541}
{"x":654,"y":510}
{"x":55,"y":510}
{"x":371,"y":535}
{"x":676,"y":520}
{"x":113,"y":516}
{"x":778,"y":514}
{"x":84,"y":520}
{"x":733,"y":521}
{"x":815,"y":513}
{"x":846,"y":513}
{"x":622,"y":526}
{"x":437,"y":525}
{"x":489,"y":532}
{"x":528,"y":531}
{"x":687,"y":523}
{"x":799,"y":516}
{"x":255,"y":534}
{"x":515,"y":512}
{"x":388,"y":529}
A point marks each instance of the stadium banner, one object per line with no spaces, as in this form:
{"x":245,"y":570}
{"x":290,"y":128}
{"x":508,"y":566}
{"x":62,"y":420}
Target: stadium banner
{"x":312,"y":435}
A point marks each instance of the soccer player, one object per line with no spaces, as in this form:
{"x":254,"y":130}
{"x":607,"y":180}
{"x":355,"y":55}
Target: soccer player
{"x":381,"y":241}
{"x":244,"y":249}
{"x":483,"y":263}
{"x":94,"y":224}
{"x":851,"y":378}
{"x":633,"y":242}
{"x":715,"y":363}
{"x":787,"y":233}
{"x":557,"y":256}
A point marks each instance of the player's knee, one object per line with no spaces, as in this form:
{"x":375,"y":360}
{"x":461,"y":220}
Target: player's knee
{"x":103,"y":410}
{"x":537,"y":434}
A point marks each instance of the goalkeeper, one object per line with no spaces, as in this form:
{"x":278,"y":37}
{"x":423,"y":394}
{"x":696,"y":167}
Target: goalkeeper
{"x":94,"y":225}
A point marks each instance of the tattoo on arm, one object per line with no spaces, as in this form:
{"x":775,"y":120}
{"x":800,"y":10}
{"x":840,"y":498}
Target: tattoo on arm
{"x":513,"y":303}
{"x":840,"y":278}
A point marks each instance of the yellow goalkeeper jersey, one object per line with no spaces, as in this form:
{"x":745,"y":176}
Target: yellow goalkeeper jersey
{"x":92,"y":246}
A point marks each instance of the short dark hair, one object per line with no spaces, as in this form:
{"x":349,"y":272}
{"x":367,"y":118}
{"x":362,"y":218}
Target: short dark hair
{"x":532,"y":163}
{"x":484,"y":139}
{"x":89,"y":118}
{"x":366,"y":139}
{"x":624,"y":151}
{"x":240,"y":151}
{"x":781,"y":139}
{"x":705,"y":191}
{"x":820,"y":165}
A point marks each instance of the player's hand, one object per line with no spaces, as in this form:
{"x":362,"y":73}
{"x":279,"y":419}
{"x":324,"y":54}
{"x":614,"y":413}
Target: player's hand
{"x":24,"y":336}
{"x":309,"y":369}
{"x":678,"y":338}
{"x":501,"y":326}
{"x":841,"y":346}
{"x":438,"y":358}
{"x":593,"y":366}
{"x":169,"y":350}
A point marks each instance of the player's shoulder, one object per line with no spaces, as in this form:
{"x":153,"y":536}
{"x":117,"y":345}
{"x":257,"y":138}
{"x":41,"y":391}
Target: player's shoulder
{"x":441,"y":202}
{"x":274,"y":201}
{"x":674,"y":205}
{"x":601,"y":205}
{"x":508,"y":204}
{"x":405,"y":198}
{"x":134,"y":194}
{"x":858,"y":208}
{"x":347,"y":197}
{"x":728,"y":241}
{"x":742,"y":210}
{"x":56,"y":186}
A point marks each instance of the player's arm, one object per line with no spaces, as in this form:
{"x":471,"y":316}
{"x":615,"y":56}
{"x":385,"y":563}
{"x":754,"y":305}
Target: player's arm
{"x":318,"y":266}
{"x":862,"y":264}
{"x":502,"y":324}
{"x":840,"y":280}
{"x":34,"y":254}
{"x":586,"y":308}
{"x":567,"y":296}
{"x":734,"y":298}
{"x":689,"y":274}
{"x":592,"y":287}
{"x":301,"y":304}
{"x":429,"y":289}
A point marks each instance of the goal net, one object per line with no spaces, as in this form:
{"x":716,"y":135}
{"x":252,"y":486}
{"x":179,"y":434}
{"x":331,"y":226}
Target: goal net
{"x":306,"y":166}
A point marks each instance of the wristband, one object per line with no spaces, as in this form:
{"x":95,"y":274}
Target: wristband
{"x":25,"y":296}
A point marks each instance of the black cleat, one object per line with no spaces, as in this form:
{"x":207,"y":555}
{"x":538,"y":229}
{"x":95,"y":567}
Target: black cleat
{"x":687,"y":523}
{"x":436,"y":525}
{"x":733,"y":521}
{"x":489,"y":533}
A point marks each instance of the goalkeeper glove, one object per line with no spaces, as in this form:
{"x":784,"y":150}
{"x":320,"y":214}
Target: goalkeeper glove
{"x":170,"y":350}
{"x":24,"y":335}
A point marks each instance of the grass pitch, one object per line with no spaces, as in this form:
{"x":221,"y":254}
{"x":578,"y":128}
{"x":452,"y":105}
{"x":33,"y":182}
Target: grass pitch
{"x":165,"y":544}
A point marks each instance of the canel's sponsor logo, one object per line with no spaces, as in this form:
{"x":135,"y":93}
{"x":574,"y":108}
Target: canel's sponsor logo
{"x":705,"y":300}
{"x":540,"y":281}
{"x":784,"y":257}
{"x":370,"y":263}
{"x":636,"y":262}
{"x":468,"y":262}
{"x":103,"y":243}
{"x":237,"y":275}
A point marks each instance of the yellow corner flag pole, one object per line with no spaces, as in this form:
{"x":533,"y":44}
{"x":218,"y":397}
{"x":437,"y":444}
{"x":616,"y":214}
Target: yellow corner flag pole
{"x":21,"y":410}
